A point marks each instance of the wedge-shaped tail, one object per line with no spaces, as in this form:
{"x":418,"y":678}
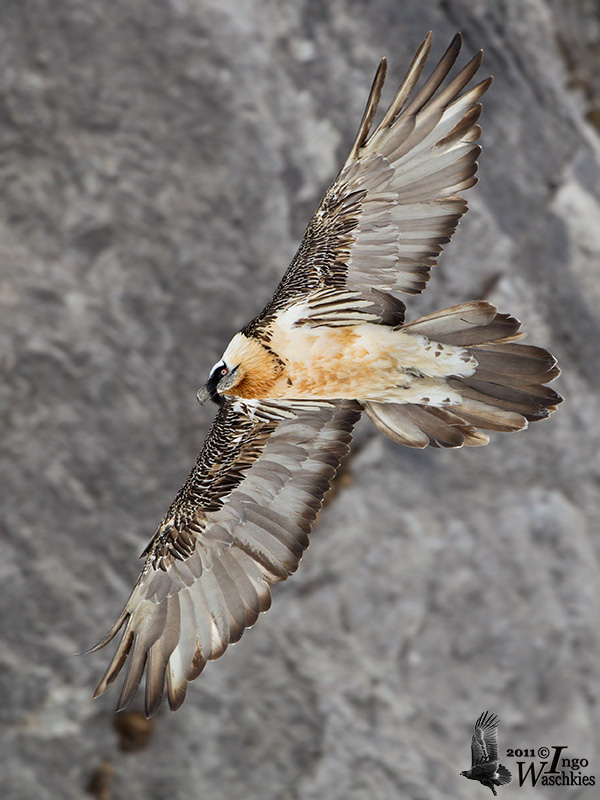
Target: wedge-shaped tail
{"x":506,"y":392}
{"x":504,"y":776}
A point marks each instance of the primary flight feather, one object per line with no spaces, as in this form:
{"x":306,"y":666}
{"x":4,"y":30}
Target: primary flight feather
{"x":331,"y":342}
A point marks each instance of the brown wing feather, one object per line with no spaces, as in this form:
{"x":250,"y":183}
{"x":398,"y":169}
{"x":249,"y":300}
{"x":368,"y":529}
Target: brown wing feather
{"x":239,"y":524}
{"x":396,"y":202}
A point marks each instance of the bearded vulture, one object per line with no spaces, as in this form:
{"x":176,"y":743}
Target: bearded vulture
{"x":485,"y":762}
{"x":331,"y":343}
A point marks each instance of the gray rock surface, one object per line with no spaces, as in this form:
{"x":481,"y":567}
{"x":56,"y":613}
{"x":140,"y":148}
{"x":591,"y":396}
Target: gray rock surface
{"x":158,"y":162}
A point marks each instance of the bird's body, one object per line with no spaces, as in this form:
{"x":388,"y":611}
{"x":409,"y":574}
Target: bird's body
{"x":490,"y":775}
{"x":364,"y":361}
{"x":332,"y":342}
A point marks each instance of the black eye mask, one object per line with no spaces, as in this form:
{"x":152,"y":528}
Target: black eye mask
{"x":211,"y":386}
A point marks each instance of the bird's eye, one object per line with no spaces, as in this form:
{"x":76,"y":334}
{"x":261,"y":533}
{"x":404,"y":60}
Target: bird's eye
{"x":223,"y":371}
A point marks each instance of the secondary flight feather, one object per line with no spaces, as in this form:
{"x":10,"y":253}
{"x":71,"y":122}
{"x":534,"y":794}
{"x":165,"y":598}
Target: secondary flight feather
{"x":332,"y":342}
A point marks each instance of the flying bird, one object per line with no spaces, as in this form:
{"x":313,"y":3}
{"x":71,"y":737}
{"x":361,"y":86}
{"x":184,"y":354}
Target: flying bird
{"x":485,"y":765}
{"x":331,"y":343}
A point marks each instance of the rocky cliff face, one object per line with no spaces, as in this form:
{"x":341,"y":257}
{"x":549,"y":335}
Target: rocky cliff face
{"x":158,"y":162}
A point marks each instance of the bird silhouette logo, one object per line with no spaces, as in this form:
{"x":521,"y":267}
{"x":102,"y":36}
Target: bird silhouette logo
{"x":485,"y":764}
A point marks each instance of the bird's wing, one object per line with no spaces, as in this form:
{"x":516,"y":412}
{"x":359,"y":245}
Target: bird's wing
{"x":238,"y":525}
{"x":396,"y":201}
{"x":484,"y":743}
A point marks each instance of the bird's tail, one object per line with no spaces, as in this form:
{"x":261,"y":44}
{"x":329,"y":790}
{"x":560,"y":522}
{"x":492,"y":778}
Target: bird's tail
{"x":505,"y":392}
{"x":504,"y":775}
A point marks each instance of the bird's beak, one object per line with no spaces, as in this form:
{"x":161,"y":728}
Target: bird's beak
{"x":203,"y":395}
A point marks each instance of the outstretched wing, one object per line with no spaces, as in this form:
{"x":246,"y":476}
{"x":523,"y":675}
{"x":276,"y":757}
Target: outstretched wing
{"x":484,"y":743}
{"x":396,"y":201}
{"x":238,"y":525}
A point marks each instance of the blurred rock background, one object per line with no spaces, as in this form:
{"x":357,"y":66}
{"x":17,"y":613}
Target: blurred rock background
{"x":159,"y":160}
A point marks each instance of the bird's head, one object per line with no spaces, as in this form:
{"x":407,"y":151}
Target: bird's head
{"x":247,"y":369}
{"x":222,"y":378}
